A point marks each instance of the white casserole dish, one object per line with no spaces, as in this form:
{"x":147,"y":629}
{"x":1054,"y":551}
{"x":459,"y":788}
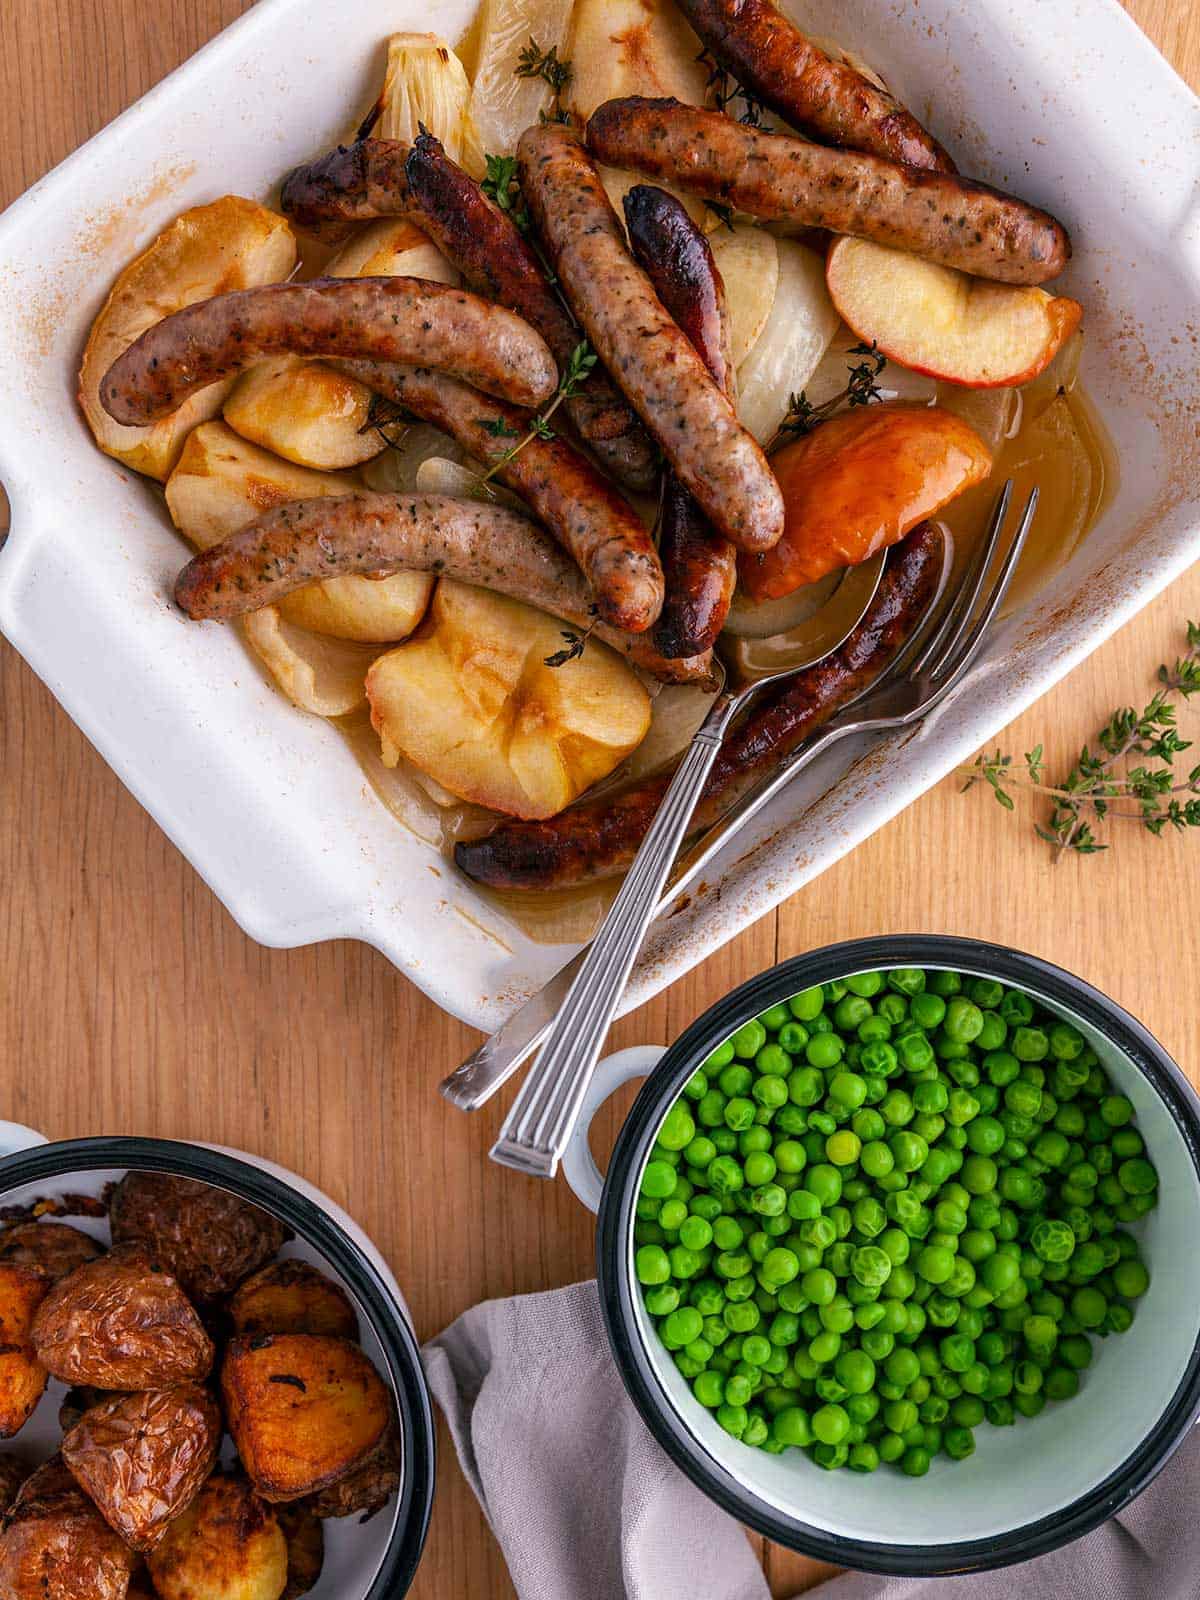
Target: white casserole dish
{"x":1066,"y":103}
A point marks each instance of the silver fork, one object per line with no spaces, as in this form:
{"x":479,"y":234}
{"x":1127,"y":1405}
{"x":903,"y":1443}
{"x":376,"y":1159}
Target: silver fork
{"x":547,"y":1107}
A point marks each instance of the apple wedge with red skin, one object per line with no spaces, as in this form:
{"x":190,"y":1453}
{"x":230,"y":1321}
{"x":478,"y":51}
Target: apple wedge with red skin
{"x":944,"y":323}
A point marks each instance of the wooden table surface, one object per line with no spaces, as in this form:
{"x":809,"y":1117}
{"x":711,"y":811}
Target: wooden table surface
{"x":130,"y":1003}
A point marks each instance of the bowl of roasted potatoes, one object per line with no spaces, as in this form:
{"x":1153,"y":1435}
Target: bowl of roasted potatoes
{"x":209,"y":1384}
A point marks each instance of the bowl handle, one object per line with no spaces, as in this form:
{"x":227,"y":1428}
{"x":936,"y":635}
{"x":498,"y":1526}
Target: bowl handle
{"x":578,"y":1164}
{"x":14,"y":1138}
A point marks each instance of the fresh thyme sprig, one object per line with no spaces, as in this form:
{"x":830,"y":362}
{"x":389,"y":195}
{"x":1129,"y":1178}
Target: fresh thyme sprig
{"x":862,"y":388}
{"x":383,"y":414}
{"x":576,"y":373}
{"x":1103,"y":785}
{"x":576,"y":643}
{"x":501,"y":185}
{"x":726,"y":91}
{"x":534,"y":62}
{"x":721,"y":211}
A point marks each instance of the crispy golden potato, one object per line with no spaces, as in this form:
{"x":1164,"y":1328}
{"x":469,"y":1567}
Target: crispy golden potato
{"x":22,"y":1377}
{"x":230,"y":244}
{"x":14,"y":1469}
{"x":51,"y":1248}
{"x":304,"y":1410}
{"x":293,"y":1297}
{"x":307,"y":412}
{"x":143,"y":1457}
{"x":55,"y":1545}
{"x":122,"y":1323}
{"x":471,"y":701}
{"x":207,"y":1237}
{"x":366,"y":1490}
{"x":305,"y":1547}
{"x":77,"y":1401}
{"x":227,"y":1545}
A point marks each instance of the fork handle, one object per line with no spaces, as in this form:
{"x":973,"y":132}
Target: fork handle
{"x":543,"y":1116}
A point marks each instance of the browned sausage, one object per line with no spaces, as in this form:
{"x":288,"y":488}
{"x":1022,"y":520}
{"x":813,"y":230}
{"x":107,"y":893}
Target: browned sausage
{"x":353,"y":183}
{"x":600,"y":837}
{"x":564,"y":490}
{"x":699,"y":566}
{"x":371,"y":319}
{"x":649,"y":356}
{"x":827,"y":100}
{"x":489,"y":546}
{"x":487,"y":247}
{"x":933,"y":214}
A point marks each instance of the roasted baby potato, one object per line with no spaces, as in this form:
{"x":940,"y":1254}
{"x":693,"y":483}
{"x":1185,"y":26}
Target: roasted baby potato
{"x":22,"y":1376}
{"x":207,"y":1237}
{"x":123,"y":1323}
{"x":55,"y":1545}
{"x":305,"y":1547}
{"x":366,"y":1490}
{"x":227,"y":1545}
{"x":51,"y":1248}
{"x":143,"y":1458}
{"x":470,"y":701}
{"x":230,"y":244}
{"x":293,"y":1297}
{"x":14,"y":1470}
{"x":304,"y":1410}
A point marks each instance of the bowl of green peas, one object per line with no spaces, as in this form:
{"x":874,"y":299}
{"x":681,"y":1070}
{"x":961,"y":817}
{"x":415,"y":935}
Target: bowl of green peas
{"x":897,"y":1253}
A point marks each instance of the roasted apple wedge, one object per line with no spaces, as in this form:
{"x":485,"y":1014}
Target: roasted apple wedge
{"x":473,"y":702}
{"x":857,"y":484}
{"x":303,"y":410}
{"x":230,"y":244}
{"x":945,"y":323}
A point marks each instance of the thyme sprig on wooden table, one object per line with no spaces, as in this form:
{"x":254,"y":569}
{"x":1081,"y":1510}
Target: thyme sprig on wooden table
{"x":574,"y":375}
{"x":1105,"y":785}
{"x":862,"y":387}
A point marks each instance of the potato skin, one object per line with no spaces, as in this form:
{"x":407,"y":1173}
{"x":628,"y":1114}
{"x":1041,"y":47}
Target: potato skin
{"x":51,"y":1248}
{"x":293,"y":1297}
{"x":227,"y":1545}
{"x":367,"y":1489}
{"x":121,"y":1323}
{"x":55,"y":1545}
{"x":143,"y":1458}
{"x":304,"y":1410}
{"x":22,"y":1376}
{"x":305,"y":1548}
{"x":209,"y":1239}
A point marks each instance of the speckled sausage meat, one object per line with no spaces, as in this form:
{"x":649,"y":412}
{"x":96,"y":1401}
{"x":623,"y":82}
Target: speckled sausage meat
{"x":352,"y":184}
{"x":827,"y":100}
{"x":490,"y":546}
{"x":700,"y":567}
{"x":372,"y":319}
{"x":937,"y":215}
{"x":650,"y":357}
{"x":496,"y":260}
{"x":606,"y":537}
{"x":598,"y":838}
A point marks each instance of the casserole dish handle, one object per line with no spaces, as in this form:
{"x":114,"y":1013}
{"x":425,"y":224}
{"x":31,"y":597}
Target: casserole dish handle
{"x":578,"y":1164}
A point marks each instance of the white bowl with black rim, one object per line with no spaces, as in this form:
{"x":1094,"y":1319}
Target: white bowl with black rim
{"x":371,"y":1559}
{"x":1027,"y":1489}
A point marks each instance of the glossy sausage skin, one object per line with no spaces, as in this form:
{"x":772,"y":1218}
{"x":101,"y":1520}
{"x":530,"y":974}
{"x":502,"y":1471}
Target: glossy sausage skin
{"x":372,"y":319}
{"x":649,"y":356}
{"x":563,"y":489}
{"x":827,"y":100}
{"x":352,"y":184}
{"x":937,"y":215}
{"x":486,"y":545}
{"x":601,"y":837}
{"x":496,"y":260}
{"x":700,"y":567}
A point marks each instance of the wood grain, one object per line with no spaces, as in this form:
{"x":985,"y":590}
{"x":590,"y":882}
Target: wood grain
{"x":130,"y":1002}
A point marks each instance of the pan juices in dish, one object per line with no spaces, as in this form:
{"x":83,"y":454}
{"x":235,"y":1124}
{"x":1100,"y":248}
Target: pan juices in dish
{"x":465,"y":706}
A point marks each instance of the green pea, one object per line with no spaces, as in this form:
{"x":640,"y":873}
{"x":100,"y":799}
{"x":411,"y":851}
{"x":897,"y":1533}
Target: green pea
{"x":1137,"y":1177}
{"x":824,"y":1051}
{"x":749,"y":1039}
{"x":651,"y":1264}
{"x":843,"y":1147}
{"x":1131,"y":1279}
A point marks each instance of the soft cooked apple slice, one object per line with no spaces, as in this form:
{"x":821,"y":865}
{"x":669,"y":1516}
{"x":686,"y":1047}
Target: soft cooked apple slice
{"x":230,"y":244}
{"x":943,"y":322}
{"x":621,"y":47}
{"x":793,"y":340}
{"x":858,"y":484}
{"x":747,"y":258}
{"x":503,"y":105}
{"x":305,"y":411}
{"x":471,"y":701}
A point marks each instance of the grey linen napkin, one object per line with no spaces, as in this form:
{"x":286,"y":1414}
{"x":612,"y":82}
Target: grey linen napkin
{"x":586,"y":1506}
